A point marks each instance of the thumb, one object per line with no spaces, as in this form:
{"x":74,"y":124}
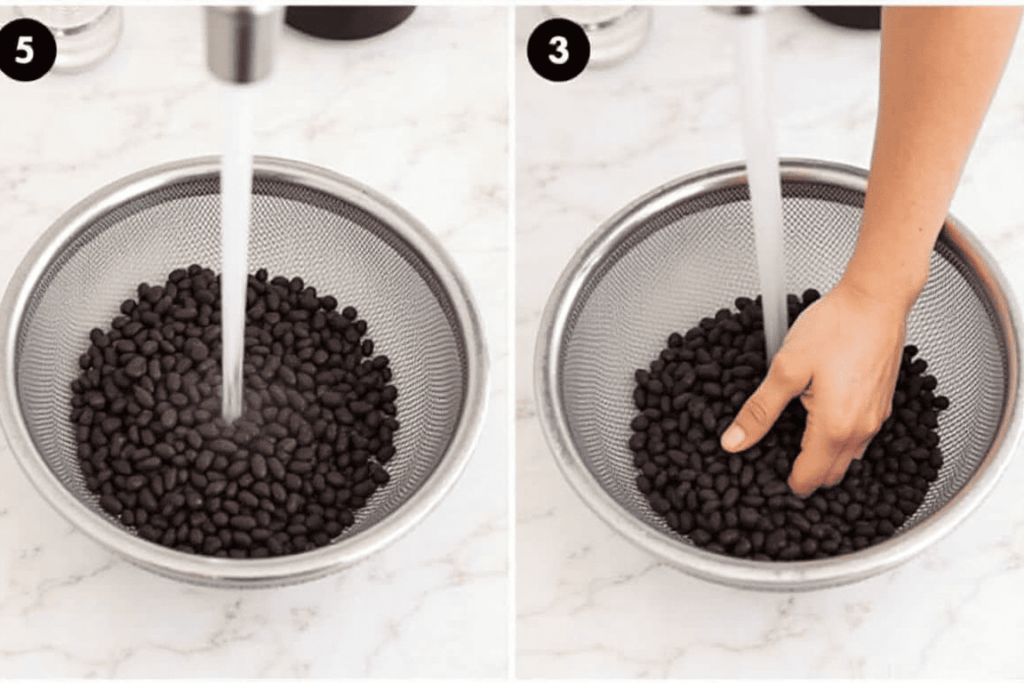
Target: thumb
{"x":784,"y":382}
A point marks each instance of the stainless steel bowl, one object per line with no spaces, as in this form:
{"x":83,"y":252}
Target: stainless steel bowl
{"x":687,"y":249}
{"x":341,"y":237}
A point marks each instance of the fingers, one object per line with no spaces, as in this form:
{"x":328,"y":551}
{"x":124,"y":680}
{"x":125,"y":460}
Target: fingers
{"x":842,"y":463}
{"x":817,"y":457}
{"x":784,"y":382}
{"x":838,"y":470}
{"x":822,"y":461}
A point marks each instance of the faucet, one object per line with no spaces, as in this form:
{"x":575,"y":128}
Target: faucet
{"x":737,"y":10}
{"x":241,"y":41}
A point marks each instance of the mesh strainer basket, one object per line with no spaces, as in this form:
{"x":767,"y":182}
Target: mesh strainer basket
{"x":340,"y":237}
{"x":686,"y":250}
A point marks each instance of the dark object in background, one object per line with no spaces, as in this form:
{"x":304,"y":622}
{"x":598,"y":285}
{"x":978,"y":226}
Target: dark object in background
{"x":858,"y":17}
{"x":740,"y":504}
{"x":290,"y":474}
{"x":346,"y":23}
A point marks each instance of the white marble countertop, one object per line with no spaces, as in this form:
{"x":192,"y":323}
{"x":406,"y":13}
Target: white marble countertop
{"x":592,"y":604}
{"x":419,"y":114}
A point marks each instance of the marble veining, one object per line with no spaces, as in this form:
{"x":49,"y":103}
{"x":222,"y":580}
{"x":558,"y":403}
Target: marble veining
{"x":419,"y":114}
{"x":590,"y":603}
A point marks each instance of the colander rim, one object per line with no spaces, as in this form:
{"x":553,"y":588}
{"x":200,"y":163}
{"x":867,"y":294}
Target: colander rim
{"x":255,"y":572}
{"x":749,"y":574}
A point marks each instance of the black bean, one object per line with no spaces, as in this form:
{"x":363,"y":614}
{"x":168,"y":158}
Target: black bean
{"x":143,"y":397}
{"x":287,"y":375}
{"x":853,"y":512}
{"x":364,"y":489}
{"x":689,"y":395}
{"x":700,"y":537}
{"x":149,"y":464}
{"x":658,"y":504}
{"x":259,"y":466}
{"x":278,"y":493}
{"x":865,"y":529}
{"x":790,"y":552}
{"x":715,"y":521}
{"x":215,"y":488}
{"x":168,"y":455}
{"x":193,"y":499}
{"x":775,"y":541}
{"x":729,"y":537}
{"x":111,"y":504}
{"x":237,"y":469}
{"x":169,"y":418}
{"x":644,"y":484}
{"x":754,"y":501}
{"x":730,"y":497}
{"x":223,"y":446}
{"x":247,"y":498}
{"x":243,"y":522}
{"x":196,"y":349}
{"x":707,"y":371}
{"x":135,"y":482}
{"x":907,"y":507}
{"x":360,"y":407}
{"x":136,"y":367}
{"x":799,"y":521}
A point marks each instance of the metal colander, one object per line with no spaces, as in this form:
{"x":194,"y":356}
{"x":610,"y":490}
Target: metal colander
{"x":686,"y":250}
{"x":337,"y":235}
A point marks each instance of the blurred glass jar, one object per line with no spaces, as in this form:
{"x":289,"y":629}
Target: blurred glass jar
{"x":85,"y":35}
{"x":615,"y":32}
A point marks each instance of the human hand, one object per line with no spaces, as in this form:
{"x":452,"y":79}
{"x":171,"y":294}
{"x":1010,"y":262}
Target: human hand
{"x":842,"y":357}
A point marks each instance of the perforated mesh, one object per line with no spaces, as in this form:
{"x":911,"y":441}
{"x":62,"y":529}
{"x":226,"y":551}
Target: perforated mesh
{"x":698,"y":256}
{"x":334,"y":246}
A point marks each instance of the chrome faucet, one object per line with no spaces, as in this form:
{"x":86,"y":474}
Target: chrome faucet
{"x":241,"y":41}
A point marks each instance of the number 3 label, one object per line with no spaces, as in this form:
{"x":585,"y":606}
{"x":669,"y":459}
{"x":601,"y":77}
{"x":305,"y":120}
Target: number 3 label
{"x":25,"y":46}
{"x":558,"y":50}
{"x":561,"y":54}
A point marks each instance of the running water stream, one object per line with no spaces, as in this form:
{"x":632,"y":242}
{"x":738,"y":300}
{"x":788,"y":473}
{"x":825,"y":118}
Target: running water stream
{"x":763,"y":175}
{"x":236,"y":199}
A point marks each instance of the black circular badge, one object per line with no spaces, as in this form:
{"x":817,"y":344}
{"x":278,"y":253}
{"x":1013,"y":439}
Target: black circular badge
{"x":27,"y":50}
{"x":558,"y":50}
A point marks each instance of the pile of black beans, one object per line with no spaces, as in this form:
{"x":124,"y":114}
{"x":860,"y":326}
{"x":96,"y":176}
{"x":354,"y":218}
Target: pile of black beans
{"x":740,"y":504}
{"x":285,"y":477}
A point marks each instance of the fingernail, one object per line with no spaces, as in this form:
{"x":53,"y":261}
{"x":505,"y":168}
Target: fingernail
{"x":732,"y":438}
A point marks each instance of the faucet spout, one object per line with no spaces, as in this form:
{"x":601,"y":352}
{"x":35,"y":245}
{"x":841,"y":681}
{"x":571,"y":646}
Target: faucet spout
{"x":241,"y":41}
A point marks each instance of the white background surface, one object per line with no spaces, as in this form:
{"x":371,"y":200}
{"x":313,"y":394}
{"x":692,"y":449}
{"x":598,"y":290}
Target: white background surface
{"x":419,"y":114}
{"x":592,"y":604}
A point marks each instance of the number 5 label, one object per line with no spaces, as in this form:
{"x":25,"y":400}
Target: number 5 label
{"x":25,"y":46}
{"x":28,"y":50}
